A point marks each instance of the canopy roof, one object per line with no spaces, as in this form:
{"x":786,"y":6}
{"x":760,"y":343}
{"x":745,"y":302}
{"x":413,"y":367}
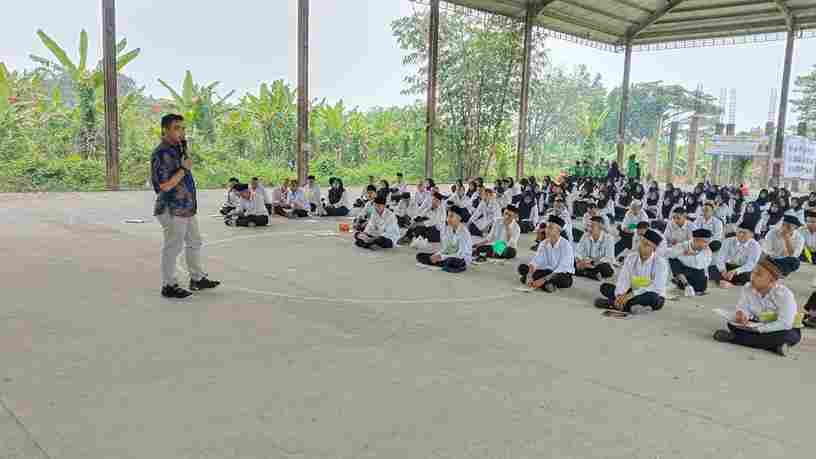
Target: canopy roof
{"x":651,"y":22}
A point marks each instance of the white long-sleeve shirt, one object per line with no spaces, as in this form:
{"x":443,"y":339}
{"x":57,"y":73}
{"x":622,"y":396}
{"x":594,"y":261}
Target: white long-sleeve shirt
{"x":252,"y":206}
{"x":261,"y":190}
{"x":743,"y":254}
{"x":677,"y":234}
{"x":313,"y":194}
{"x":808,"y":237}
{"x":280,"y":197}
{"x":297,"y":199}
{"x":775,"y":245}
{"x":501,"y":232}
{"x":456,"y":243}
{"x":655,"y":269}
{"x":779,"y":301}
{"x":601,"y":250}
{"x":383,"y":225}
{"x":700,"y":260}
{"x":485,"y":215}
{"x":713,"y":224}
{"x":632,"y":218}
{"x":233,"y":199}
{"x":435,"y":217}
{"x":560,"y":258}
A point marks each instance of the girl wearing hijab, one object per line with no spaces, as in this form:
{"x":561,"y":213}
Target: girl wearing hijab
{"x":796,"y":209}
{"x":762,"y":202}
{"x":338,"y":199}
{"x":771,"y":218}
{"x":653,"y":204}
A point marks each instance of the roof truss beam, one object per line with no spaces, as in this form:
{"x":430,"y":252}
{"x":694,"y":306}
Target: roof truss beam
{"x":578,"y":22}
{"x":786,"y":11}
{"x":633,"y":5}
{"x":598,"y":11}
{"x":721,"y":6}
{"x":689,"y":33}
{"x":672,"y":20}
{"x":667,"y":8}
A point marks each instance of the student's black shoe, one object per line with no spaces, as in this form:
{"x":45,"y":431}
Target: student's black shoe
{"x":549,"y":288}
{"x":481,"y":259}
{"x":602,"y":303}
{"x":598,"y":277}
{"x":203,"y":284}
{"x":523,"y":280}
{"x":174,"y":291}
{"x":782,"y":350}
{"x":534,"y":248}
{"x":724,"y":336}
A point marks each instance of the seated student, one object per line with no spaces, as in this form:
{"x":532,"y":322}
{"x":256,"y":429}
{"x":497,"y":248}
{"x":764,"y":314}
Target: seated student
{"x":251,"y":211}
{"x":784,"y":245}
{"x":766,"y":316}
{"x":642,"y":279}
{"x":312,"y":192}
{"x":678,"y":231}
{"x":399,"y":204}
{"x":400,"y":186}
{"x":504,"y":229}
{"x":485,"y":214}
{"x":633,"y":216}
{"x":454,"y":254}
{"x":737,"y":258}
{"x":689,"y":261}
{"x":711,"y":223}
{"x":595,"y":252}
{"x":591,"y":211}
{"x":364,"y":211}
{"x":527,"y":212}
{"x":338,"y":199}
{"x":256,"y":188}
{"x":297,"y":201}
{"x":553,"y":265}
{"x":430,"y":223}
{"x":280,"y":199}
{"x":808,"y":233}
{"x":381,"y":231}
{"x":233,"y":198}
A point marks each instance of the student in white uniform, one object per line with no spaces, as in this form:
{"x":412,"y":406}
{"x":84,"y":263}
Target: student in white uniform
{"x":297,"y":201}
{"x":280,"y":199}
{"x":381,"y":231}
{"x":485,"y":215}
{"x":504,"y":229}
{"x":641,"y":281}
{"x":678,"y":231}
{"x":233,"y":199}
{"x":338,"y":204}
{"x":553,"y":265}
{"x":808,"y":233}
{"x":595,"y":253}
{"x":400,"y":185}
{"x":527,"y":213}
{"x":400,"y":204}
{"x":708,"y":221}
{"x":633,"y":216}
{"x":784,"y":245}
{"x":766,"y":315}
{"x":313,"y":195}
{"x":365,"y":209}
{"x":689,"y":263}
{"x":737,"y":258}
{"x":454,"y":255}
{"x":430,"y":224}
{"x":251,"y":212}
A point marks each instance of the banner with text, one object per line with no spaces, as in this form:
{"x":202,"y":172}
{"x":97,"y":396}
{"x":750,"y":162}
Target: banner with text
{"x":743,"y":146}
{"x":800,"y":158}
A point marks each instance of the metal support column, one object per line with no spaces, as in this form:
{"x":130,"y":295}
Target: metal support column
{"x":525,"y":92}
{"x":111,"y":102}
{"x":627,"y":67}
{"x":433,"y":62}
{"x":779,"y":145}
{"x":303,"y":91}
{"x":673,"y":131}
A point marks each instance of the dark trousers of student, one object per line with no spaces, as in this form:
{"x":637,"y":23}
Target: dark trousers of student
{"x":404,"y":221}
{"x":577,"y":234}
{"x":767,"y":341}
{"x":452,"y":265}
{"x":279,"y":210}
{"x":269,"y":209}
{"x":787,"y":265}
{"x":226,"y":210}
{"x":739,"y":279}
{"x":341,"y":211}
{"x":696,"y":277}
{"x":604,"y":268}
{"x":487,"y":251}
{"x":659,"y":226}
{"x":300,"y":213}
{"x":560,"y":280}
{"x":428,"y":232}
{"x":381,"y":242}
{"x":526,"y":227}
{"x":624,"y":243}
{"x":644,"y":299}
{"x":258,"y":220}
{"x":474,"y":231}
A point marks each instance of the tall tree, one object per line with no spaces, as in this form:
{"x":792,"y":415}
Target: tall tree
{"x":805,"y":106}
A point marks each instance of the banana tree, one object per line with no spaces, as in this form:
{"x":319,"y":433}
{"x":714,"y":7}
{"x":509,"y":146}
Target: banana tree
{"x":589,"y":126}
{"x":85,"y":80}
{"x":275,"y":111}
{"x":198,"y":105}
{"x":5,"y":89}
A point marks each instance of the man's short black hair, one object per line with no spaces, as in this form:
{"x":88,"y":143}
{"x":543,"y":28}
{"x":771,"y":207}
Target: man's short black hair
{"x":168,"y":120}
{"x":233,"y":180}
{"x":311,"y":177}
{"x":254,"y":179}
{"x":399,"y":174}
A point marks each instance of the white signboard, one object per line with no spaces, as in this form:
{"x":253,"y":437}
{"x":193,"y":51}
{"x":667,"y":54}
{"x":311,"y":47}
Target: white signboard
{"x":729,"y":145}
{"x":800,"y":158}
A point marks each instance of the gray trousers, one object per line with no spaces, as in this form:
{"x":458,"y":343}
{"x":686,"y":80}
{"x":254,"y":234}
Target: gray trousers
{"x":180,"y":232}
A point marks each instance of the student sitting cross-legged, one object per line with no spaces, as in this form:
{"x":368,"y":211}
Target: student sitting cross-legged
{"x":641,"y":281}
{"x":784,"y":245}
{"x":766,"y":316}
{"x":251,"y":210}
{"x":233,"y":198}
{"x":595,"y":252}
{"x":808,"y":233}
{"x":553,"y":265}
{"x":737,"y":258}
{"x":454,"y":256}
{"x":689,"y":261}
{"x":429,"y":224}
{"x":338,"y":204}
{"x":504,"y":229}
{"x":381,"y":231}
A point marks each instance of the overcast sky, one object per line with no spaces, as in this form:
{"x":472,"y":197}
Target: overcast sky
{"x":354,"y":56}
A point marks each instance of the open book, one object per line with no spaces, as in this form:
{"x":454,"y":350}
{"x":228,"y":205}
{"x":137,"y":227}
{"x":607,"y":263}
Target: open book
{"x":731,"y":317}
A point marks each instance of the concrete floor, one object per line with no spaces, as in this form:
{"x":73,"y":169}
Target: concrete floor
{"x":313,"y":348}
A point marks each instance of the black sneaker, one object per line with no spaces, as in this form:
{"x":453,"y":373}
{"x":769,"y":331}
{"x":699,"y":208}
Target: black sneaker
{"x":782,"y":349}
{"x":603,"y":303}
{"x":598,"y":277}
{"x":550,"y":288}
{"x":724,"y":336}
{"x":203,"y":284}
{"x":174,"y":291}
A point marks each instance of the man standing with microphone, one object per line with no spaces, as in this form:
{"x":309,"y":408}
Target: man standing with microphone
{"x":176,"y":208}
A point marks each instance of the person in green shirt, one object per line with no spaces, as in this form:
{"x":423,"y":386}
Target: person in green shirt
{"x":632,"y":168}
